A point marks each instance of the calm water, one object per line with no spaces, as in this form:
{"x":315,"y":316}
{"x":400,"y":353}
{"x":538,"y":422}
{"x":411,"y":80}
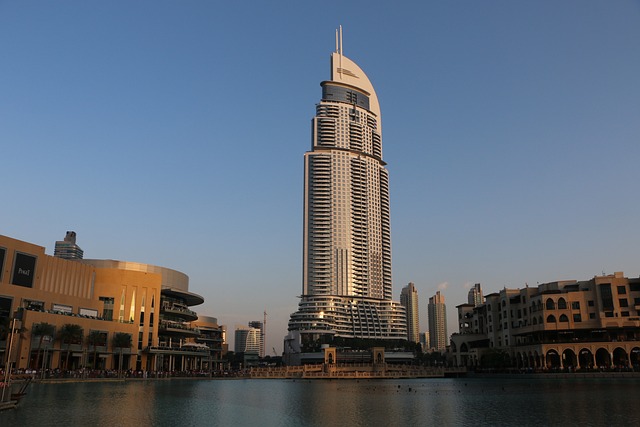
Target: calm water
{"x":504,"y":402}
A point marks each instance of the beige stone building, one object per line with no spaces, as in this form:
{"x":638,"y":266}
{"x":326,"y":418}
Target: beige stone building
{"x":572,"y":325}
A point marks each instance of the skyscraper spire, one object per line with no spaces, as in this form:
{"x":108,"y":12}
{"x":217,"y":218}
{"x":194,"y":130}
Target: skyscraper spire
{"x":347,"y":289}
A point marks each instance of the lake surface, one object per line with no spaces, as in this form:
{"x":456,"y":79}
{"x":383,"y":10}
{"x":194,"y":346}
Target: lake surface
{"x":462,"y":401}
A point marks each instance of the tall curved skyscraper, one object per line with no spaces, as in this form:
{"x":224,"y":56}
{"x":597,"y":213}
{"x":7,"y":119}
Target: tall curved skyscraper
{"x":347,"y":290}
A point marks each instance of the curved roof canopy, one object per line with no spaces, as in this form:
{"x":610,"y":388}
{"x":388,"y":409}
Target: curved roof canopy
{"x":189,"y":297}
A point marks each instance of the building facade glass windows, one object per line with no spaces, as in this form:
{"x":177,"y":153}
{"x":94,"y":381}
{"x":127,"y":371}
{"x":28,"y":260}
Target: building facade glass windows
{"x":347,"y":289}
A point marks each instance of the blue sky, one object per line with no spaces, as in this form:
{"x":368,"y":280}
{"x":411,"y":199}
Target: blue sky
{"x":173,"y":133}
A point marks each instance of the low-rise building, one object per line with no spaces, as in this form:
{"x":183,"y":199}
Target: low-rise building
{"x":98,"y":314}
{"x":592,"y":324}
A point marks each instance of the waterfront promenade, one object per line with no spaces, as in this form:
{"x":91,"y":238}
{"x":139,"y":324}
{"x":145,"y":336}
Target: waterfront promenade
{"x":352,"y":371}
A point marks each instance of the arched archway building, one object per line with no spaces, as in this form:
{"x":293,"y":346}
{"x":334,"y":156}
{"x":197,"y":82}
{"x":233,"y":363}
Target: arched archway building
{"x":571,"y":325}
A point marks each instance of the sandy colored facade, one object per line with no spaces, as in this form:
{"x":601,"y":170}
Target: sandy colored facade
{"x":346,"y":279}
{"x":104,"y":298}
{"x":572,"y":325}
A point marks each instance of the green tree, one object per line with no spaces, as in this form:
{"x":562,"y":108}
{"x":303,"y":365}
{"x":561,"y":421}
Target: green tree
{"x":95,"y":339}
{"x":434,"y":358}
{"x":234,"y":360}
{"x":42,"y":329}
{"x":70,"y":334}
{"x":121,"y":340}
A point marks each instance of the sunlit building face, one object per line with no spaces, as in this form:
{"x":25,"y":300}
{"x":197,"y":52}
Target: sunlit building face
{"x":347,"y":289}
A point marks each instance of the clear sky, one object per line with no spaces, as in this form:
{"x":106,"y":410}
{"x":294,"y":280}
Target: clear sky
{"x":173,"y":133}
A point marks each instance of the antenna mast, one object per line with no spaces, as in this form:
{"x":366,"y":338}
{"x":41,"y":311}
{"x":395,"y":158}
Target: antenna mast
{"x":339,"y":49}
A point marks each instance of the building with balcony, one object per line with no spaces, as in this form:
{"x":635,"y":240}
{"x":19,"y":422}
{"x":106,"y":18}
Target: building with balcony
{"x":101,"y":301}
{"x":347,"y":287}
{"x":475,"y":296}
{"x":437,"y":311}
{"x":573,"y":325}
{"x":212,"y":335}
{"x":247,"y":345}
{"x":409,"y":300}
{"x":67,"y":248}
{"x":259,"y":324}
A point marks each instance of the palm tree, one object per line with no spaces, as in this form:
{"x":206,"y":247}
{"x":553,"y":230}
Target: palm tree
{"x":7,"y":331}
{"x":42,"y":329}
{"x":121,"y":340}
{"x":70,"y":334}
{"x":96,"y":338}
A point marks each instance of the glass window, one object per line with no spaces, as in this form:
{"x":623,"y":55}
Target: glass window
{"x":606,"y":296}
{"x":36,"y":305}
{"x":62,"y":308}
{"x":575,"y":305}
{"x":121,"y":315}
{"x":24,"y":269}
{"x":622,"y":290}
{"x":97,"y":339}
{"x":577,"y":317}
{"x":3,"y":252}
{"x":5,"y":307}
{"x":623,"y":302}
{"x":107,"y":307}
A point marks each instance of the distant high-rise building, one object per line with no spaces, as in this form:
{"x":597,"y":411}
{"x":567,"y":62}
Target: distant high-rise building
{"x":409,"y":300}
{"x":67,"y":248}
{"x":475,"y":295}
{"x":437,"y":322}
{"x":424,"y":341}
{"x":258,"y":324}
{"x":346,"y":289}
{"x":247,"y":340}
{"x":225,"y":342}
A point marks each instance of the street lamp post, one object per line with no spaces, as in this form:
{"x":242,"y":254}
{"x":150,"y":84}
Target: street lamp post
{"x":7,"y":365}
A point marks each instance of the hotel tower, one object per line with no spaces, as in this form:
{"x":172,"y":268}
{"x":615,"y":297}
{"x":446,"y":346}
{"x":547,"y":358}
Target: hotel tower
{"x":409,"y":300}
{"x":437,"y":311}
{"x":346,"y":290}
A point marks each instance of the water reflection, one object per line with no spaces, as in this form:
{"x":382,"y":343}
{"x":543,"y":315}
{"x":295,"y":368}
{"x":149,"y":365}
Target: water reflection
{"x":324,"y":402}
